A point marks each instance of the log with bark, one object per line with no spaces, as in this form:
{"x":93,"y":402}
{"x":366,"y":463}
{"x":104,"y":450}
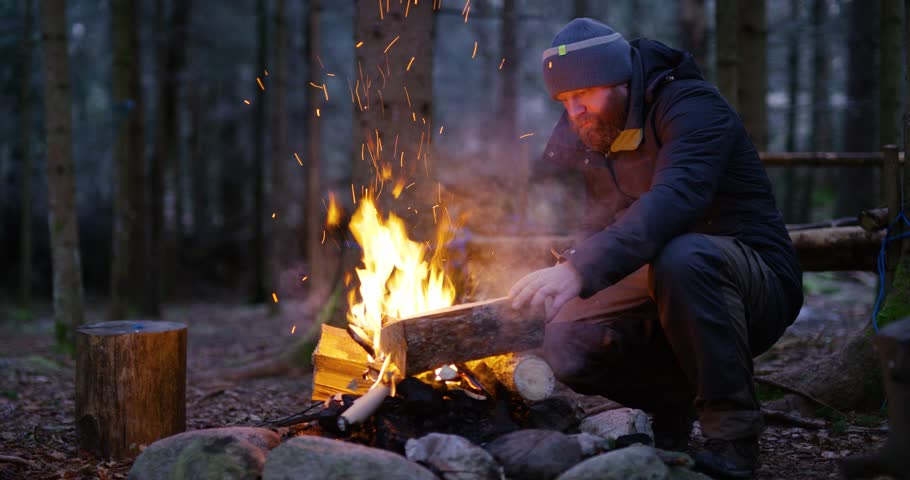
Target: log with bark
{"x":130,"y":385}
{"x":525,"y":374}
{"x":837,"y":248}
{"x":461,"y":333}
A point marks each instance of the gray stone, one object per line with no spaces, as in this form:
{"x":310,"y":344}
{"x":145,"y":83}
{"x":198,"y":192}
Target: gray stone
{"x":323,"y":458}
{"x":453,"y":457}
{"x":535,"y":454}
{"x":591,"y":444}
{"x":637,"y":462}
{"x":683,"y":473}
{"x":618,"y":422}
{"x":216,"y":453}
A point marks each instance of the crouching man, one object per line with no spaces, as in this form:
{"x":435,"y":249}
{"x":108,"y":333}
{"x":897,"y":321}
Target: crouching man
{"x":683,"y":270}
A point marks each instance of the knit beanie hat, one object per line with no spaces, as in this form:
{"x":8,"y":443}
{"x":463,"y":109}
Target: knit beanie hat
{"x":586,"y":53}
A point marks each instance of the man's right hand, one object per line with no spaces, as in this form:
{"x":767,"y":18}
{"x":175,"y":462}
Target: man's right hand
{"x":548,"y":289}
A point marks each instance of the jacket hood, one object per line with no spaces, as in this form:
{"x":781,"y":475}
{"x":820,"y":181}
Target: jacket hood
{"x":653,"y":66}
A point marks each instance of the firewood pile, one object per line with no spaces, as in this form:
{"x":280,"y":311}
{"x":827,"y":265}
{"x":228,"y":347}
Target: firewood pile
{"x":468,"y":370}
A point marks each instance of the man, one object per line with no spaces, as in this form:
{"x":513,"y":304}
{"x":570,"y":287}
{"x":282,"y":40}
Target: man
{"x":683,"y":271}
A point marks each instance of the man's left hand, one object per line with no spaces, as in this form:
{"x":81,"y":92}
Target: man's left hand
{"x":548,"y":288}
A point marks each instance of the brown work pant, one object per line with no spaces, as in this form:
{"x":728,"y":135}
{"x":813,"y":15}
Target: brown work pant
{"x":684,"y":328}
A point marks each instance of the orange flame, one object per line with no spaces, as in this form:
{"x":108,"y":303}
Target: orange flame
{"x":398,"y":278}
{"x":333,"y":216}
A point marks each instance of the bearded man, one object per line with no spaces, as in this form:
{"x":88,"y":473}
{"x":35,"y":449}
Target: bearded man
{"x":683,"y":270}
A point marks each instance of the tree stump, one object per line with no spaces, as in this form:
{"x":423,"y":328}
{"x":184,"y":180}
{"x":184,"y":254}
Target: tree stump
{"x":893,"y":346}
{"x":130,"y":385}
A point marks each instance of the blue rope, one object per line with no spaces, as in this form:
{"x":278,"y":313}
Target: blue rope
{"x":881,"y":263}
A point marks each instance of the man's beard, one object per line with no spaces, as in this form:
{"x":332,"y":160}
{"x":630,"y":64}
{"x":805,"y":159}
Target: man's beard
{"x":596,"y":132}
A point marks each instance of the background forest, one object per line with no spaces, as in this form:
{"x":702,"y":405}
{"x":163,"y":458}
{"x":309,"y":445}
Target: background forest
{"x":200,"y":161}
{"x":209,"y":138}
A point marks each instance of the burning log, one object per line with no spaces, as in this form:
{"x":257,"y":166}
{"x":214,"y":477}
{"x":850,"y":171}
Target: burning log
{"x":460,"y":333}
{"x":525,"y":374}
{"x":130,"y":385}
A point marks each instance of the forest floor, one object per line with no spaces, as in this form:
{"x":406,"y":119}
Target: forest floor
{"x":38,"y":439}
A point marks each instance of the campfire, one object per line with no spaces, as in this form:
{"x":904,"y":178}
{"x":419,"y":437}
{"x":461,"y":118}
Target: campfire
{"x":405,"y":332}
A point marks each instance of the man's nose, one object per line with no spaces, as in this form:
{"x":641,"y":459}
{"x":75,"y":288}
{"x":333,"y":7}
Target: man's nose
{"x":575,"y":108}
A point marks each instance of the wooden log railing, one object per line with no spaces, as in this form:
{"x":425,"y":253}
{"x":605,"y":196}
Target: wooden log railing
{"x":825,"y":159}
{"x":890,"y":160}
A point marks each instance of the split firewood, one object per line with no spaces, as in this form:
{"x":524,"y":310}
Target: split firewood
{"x":460,"y":333}
{"x":338,"y":365}
{"x":525,"y":374}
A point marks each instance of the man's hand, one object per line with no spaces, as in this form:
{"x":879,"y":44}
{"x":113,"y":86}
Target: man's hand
{"x":547,"y":288}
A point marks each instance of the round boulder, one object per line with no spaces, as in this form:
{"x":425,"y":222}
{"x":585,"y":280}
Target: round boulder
{"x":311,"y":457}
{"x":637,"y":462}
{"x":535,"y":454}
{"x":223,"y":453}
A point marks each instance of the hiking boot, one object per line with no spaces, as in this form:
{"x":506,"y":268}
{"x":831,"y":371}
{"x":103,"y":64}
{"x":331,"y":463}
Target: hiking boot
{"x":729,"y":458}
{"x":672,"y":427}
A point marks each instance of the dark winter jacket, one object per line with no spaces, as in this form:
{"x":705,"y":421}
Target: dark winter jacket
{"x":684,"y":163}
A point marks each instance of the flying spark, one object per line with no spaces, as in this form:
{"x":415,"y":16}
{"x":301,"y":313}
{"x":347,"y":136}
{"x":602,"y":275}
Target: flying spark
{"x":526,"y":135}
{"x":298,"y":159}
{"x":475,"y":50}
{"x":275,"y":297}
{"x":390,"y":44}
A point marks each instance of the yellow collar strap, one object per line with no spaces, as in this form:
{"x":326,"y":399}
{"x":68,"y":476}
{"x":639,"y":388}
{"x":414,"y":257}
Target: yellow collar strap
{"x":628,"y":139}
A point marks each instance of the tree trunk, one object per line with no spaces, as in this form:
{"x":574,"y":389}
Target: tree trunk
{"x":394,"y":105}
{"x":727,"y":24}
{"x":752,"y":75}
{"x":25,"y":151}
{"x":128,"y":155}
{"x":257,"y":253}
{"x":130,"y":385}
{"x":199,"y":171}
{"x":151,"y":301}
{"x":61,"y":178}
{"x":171,"y":35}
{"x":579,"y":9}
{"x":321,"y":266}
{"x":281,"y":251}
{"x":856,"y":187}
{"x":793,"y":48}
{"x":890,"y":71}
{"x":506,"y":117}
{"x":820,"y":136}
{"x":694,"y":27}
{"x":176,"y":53}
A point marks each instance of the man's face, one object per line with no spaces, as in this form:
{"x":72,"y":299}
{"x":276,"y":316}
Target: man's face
{"x":597,"y":114}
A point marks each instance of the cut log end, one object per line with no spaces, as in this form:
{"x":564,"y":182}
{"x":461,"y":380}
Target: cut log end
{"x":523,"y":374}
{"x":533,"y":378}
